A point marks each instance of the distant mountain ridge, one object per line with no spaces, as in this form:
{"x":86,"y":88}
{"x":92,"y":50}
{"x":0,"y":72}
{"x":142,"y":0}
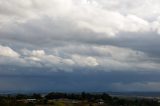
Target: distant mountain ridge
{"x":135,"y":94}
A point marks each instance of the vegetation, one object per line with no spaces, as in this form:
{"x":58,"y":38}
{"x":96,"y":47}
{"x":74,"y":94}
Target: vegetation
{"x":73,"y":99}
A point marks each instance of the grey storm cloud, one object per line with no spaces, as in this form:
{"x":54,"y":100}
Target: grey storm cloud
{"x":41,"y":36}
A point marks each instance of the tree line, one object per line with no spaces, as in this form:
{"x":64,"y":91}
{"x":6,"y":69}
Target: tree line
{"x":89,"y":97}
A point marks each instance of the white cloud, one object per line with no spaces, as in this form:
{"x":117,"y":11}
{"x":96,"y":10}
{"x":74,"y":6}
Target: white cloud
{"x":84,"y":61}
{"x":38,"y":53}
{"x":8,"y":52}
{"x":68,"y":58}
{"x":51,"y":60}
{"x":85,"y":14}
{"x":61,"y":23}
{"x":100,"y":57}
{"x":156,"y":25}
{"x":42,"y":57}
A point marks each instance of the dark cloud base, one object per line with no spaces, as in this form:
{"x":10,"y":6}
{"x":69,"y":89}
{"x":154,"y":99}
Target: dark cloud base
{"x":76,"y":81}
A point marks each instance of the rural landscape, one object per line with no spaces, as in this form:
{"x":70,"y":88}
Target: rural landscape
{"x":79,"y":52}
{"x":76,"y":99}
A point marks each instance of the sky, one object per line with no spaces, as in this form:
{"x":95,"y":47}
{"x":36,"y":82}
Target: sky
{"x":79,"y":45}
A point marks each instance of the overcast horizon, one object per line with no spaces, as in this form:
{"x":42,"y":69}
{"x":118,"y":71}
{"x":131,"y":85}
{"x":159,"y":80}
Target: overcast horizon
{"x":79,"y":45}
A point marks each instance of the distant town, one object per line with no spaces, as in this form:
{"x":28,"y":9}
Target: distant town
{"x":77,"y":99}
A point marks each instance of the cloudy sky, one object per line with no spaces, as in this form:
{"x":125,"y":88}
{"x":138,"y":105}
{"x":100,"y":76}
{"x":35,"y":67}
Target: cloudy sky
{"x":79,"y":45}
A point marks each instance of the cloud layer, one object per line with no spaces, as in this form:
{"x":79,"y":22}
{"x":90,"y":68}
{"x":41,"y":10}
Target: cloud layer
{"x":74,"y":35}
